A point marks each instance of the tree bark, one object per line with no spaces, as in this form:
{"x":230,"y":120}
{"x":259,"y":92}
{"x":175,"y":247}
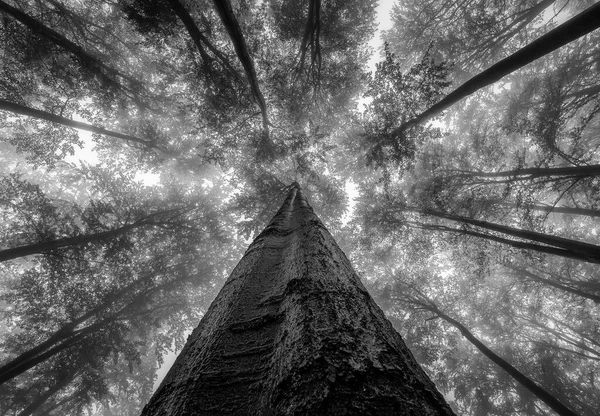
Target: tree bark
{"x":85,"y":58}
{"x":68,"y":335}
{"x":44,"y":115}
{"x":569,"y":254}
{"x":548,"y":208}
{"x":241,"y":49}
{"x":590,"y":252}
{"x":525,"y":274}
{"x":198,"y":38}
{"x":40,"y":400}
{"x":521,"y":378}
{"x":46,"y":246}
{"x":68,"y":329}
{"x":294,"y":331}
{"x":531,"y":173}
{"x":580,"y":25}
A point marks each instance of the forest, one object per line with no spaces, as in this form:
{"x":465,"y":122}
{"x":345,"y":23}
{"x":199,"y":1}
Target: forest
{"x":454,"y":155}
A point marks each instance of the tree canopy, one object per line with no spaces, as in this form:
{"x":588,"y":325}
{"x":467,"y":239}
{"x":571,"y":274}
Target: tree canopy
{"x":144,"y":143}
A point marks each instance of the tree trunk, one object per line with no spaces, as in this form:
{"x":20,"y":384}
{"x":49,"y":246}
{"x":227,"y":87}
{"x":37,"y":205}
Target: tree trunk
{"x":45,"y":246}
{"x":312,"y":33}
{"x":41,"y":399}
{"x":569,"y":254}
{"x":528,"y":383}
{"x":44,"y":115}
{"x":66,"y":331}
{"x":199,"y":39}
{"x":531,"y":173}
{"x":526,"y":274}
{"x":294,"y":331}
{"x":580,"y":25}
{"x":86,"y":59}
{"x":586,"y":212}
{"x":68,"y":335}
{"x":68,"y":342}
{"x":241,"y":49}
{"x":587,"y":252}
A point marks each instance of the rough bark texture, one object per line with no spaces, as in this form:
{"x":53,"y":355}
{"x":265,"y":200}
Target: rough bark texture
{"x":294,"y":332}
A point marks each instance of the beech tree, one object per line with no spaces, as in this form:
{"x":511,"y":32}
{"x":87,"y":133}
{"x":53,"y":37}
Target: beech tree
{"x":263,"y":349}
{"x":145,"y":143}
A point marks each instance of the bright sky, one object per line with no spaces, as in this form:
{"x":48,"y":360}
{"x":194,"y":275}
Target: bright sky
{"x":384,"y":22}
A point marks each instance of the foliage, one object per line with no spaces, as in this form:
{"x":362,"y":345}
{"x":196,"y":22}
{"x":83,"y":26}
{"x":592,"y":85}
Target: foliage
{"x":396,"y":97}
{"x":472,"y":212}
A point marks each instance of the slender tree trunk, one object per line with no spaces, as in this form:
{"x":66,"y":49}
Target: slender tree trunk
{"x":548,"y":208}
{"x":545,"y":396}
{"x":311,"y":38}
{"x":51,"y":391}
{"x":61,"y":335}
{"x":590,"y":252}
{"x":68,"y":336}
{"x":84,"y":57}
{"x":45,"y":246}
{"x":525,"y":274}
{"x":580,"y":25}
{"x":241,"y":49}
{"x":513,"y":243}
{"x":44,"y":115}
{"x":531,"y":173}
{"x":68,"y":342}
{"x":67,"y":330}
{"x":199,"y":39}
{"x":293,"y":331}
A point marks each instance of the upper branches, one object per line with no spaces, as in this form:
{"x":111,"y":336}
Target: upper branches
{"x":235,"y":33}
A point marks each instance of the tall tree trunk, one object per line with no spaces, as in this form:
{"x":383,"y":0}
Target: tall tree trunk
{"x":569,"y":254}
{"x":86,"y":59}
{"x":42,"y":398}
{"x":241,"y":49}
{"x":528,"y":383}
{"x":44,"y":115}
{"x":547,"y":208}
{"x":580,"y":25}
{"x":311,"y":39}
{"x":50,"y":245}
{"x":293,"y":331}
{"x":68,"y":342}
{"x":46,"y":246}
{"x":588,"y":252}
{"x":526,"y":274}
{"x":69,"y":329}
{"x":531,"y":173}
{"x":199,"y":39}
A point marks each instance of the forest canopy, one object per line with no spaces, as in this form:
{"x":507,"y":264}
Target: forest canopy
{"x":145,"y":143}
